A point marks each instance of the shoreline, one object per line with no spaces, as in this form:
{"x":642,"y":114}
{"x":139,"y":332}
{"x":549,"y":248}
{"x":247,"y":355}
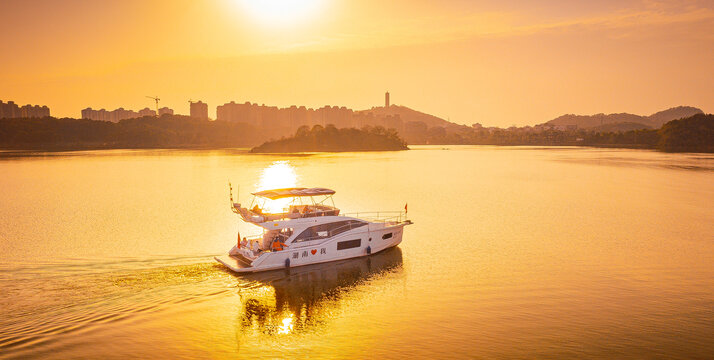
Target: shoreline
{"x":68,"y":148}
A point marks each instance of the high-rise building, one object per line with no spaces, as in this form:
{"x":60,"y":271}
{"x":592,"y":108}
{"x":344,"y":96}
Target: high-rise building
{"x":147,"y":112}
{"x":119,"y":114}
{"x":245,"y":112}
{"x":386,"y":99}
{"x":10,"y":110}
{"x":199,"y":110}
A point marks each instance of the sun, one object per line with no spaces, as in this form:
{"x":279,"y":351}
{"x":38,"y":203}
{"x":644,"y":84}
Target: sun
{"x":279,"y":175}
{"x":281,"y":12}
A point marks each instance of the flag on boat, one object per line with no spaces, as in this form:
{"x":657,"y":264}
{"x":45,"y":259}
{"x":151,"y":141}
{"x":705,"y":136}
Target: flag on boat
{"x":405,"y":207}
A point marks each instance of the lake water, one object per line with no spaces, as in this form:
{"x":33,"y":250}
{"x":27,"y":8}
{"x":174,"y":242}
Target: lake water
{"x":514,"y":252}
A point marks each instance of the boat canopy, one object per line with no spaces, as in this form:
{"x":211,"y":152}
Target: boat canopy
{"x":293,"y":192}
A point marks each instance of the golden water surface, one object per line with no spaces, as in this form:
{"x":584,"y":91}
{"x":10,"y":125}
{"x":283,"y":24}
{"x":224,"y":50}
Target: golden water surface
{"x":514,"y":252}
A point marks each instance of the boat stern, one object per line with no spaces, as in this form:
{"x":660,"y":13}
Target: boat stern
{"x":236,"y":263}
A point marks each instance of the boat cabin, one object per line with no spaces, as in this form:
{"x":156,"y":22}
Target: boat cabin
{"x":299,"y":233}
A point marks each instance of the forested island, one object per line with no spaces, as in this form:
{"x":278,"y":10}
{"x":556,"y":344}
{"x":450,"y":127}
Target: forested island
{"x":690,"y":134}
{"x":332,"y":139}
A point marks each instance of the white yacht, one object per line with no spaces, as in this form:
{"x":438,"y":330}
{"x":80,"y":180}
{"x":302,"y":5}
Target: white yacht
{"x":308,"y":230}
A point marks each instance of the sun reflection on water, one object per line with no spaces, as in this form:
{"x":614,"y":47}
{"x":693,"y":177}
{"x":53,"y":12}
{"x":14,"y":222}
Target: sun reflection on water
{"x":287,"y":326}
{"x":280,"y":174}
{"x":308,"y":297}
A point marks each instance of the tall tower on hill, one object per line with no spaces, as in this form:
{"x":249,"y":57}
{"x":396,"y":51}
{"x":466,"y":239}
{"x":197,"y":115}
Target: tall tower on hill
{"x":386,"y":99}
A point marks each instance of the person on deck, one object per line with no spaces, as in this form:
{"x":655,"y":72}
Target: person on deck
{"x":256,"y":248}
{"x":244,"y":243}
{"x":278,"y":245}
{"x":306,"y":211}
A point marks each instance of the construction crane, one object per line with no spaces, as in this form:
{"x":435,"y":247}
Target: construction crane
{"x":156,"y":98}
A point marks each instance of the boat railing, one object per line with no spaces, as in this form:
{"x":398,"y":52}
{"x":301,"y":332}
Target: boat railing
{"x":300,"y":215}
{"x":252,"y":238}
{"x":316,"y":213}
{"x":380,"y":216}
{"x":252,"y":216}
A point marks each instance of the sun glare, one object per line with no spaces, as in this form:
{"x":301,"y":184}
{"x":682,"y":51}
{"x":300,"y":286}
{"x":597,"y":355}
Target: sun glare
{"x":278,"y":175}
{"x":281,"y":12}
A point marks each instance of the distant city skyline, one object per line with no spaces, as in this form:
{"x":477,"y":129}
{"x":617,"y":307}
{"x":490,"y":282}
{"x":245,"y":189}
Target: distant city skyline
{"x":200,"y":109}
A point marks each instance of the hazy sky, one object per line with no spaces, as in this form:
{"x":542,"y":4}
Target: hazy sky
{"x":495,"y":62}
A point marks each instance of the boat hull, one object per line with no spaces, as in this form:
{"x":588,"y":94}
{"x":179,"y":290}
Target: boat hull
{"x":367,"y":240}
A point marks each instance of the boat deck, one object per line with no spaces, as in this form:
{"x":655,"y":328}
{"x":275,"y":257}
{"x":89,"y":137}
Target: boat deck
{"x":237,"y":263}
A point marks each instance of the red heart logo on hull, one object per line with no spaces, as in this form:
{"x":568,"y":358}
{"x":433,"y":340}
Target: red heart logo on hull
{"x":314,"y":251}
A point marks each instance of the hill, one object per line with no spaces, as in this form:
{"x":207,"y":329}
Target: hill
{"x":658,"y":119}
{"x":332,"y":139}
{"x":591,"y":121}
{"x":655,"y":120}
{"x":692,"y":134}
{"x":407,"y":115}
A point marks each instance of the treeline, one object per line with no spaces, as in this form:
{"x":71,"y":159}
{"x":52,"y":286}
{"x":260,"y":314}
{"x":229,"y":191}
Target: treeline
{"x":167,"y":131}
{"x":692,"y":134}
{"x":332,"y":139}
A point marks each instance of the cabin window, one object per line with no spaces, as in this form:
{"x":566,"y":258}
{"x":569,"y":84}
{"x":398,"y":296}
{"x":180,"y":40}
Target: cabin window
{"x":342,"y":245}
{"x":342,"y":226}
{"x":386,"y":236}
{"x":327,"y":230}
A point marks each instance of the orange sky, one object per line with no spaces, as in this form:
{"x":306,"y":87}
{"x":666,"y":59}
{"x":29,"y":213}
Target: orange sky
{"x":495,"y":62}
